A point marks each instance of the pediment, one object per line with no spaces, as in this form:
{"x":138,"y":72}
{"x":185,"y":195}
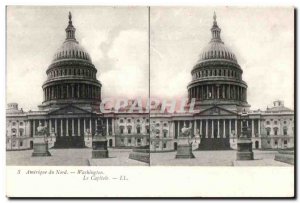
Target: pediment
{"x":216,"y":110}
{"x":69,"y":110}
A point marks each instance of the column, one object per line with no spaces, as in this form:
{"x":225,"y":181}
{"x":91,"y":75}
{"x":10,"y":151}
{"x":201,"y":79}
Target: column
{"x":235,"y":126}
{"x":90,"y":125}
{"x":73,"y":127}
{"x":61,"y":87}
{"x":50,"y":125}
{"x":78,"y":91}
{"x":258,"y":127}
{"x":229,"y":127}
{"x":206,"y":128}
{"x":195,"y":127}
{"x":178,"y":128}
{"x":112,"y":127}
{"x":84,"y":126}
{"x":78,"y":126}
{"x":61,"y":128}
{"x":207,"y":94}
{"x":95,"y":124}
{"x":52,"y":92}
{"x":67,"y":88}
{"x":200,"y":127}
{"x":212,"y":128}
{"x":107,"y":127}
{"x":33,"y":127}
{"x":224,"y":126}
{"x":218,"y":128}
{"x":83,"y":90}
{"x":67,"y":127}
{"x":55,"y":125}
{"x":223,"y":90}
{"x":252,"y":126}
{"x":72,"y":86}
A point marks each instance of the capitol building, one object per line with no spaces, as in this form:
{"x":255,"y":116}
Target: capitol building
{"x":72,"y":98}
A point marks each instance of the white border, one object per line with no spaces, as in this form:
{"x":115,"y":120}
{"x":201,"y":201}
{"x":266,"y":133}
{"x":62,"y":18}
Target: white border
{"x":269,"y":175}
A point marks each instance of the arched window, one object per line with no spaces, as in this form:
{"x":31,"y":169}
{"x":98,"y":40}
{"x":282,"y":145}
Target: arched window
{"x":275,"y":131}
{"x":13,"y":132}
{"x":138,"y":129}
{"x":285,"y":131}
{"x":121,"y":129}
{"x":129,"y":129}
{"x":21,"y":131}
{"x":268,"y":131}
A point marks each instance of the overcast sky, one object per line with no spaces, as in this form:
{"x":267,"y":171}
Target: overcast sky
{"x":117,"y":41}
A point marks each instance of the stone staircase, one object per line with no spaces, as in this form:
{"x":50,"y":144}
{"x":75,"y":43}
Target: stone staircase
{"x":69,"y":142}
{"x":214,"y":144}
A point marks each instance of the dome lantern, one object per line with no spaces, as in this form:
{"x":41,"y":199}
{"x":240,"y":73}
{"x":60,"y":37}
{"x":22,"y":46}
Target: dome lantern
{"x":215,"y":31}
{"x":70,"y":30}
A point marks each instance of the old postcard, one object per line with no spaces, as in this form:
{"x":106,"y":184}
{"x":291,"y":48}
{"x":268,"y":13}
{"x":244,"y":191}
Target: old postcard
{"x":190,"y":96}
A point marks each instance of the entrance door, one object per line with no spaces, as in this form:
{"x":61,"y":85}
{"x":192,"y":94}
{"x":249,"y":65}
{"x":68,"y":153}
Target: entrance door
{"x":110,"y":143}
{"x":256,"y":144}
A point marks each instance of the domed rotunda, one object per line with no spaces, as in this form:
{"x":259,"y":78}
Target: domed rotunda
{"x":217,"y":77}
{"x":71,"y":77}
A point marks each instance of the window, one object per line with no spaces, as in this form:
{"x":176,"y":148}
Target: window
{"x":129,"y":130}
{"x":268,"y":131}
{"x":275,"y":142}
{"x":148,"y":130}
{"x":21,"y":123}
{"x":121,"y":121}
{"x":268,"y":122}
{"x":284,"y":131}
{"x":284,"y":122}
{"x":14,"y":123}
{"x":13,"y":131}
{"x":122,"y":140}
{"x":268,"y":142}
{"x":129,"y":140}
{"x":165,"y":124}
{"x":129,"y":120}
{"x":21,"y":143}
{"x":121,"y":131}
{"x":275,"y":131}
{"x":165,"y":145}
{"x":275,"y":122}
{"x":138,"y":130}
{"x":21,"y":132}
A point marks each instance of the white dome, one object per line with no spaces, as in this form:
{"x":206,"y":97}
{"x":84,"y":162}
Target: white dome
{"x":71,"y":49}
{"x":217,"y":50}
